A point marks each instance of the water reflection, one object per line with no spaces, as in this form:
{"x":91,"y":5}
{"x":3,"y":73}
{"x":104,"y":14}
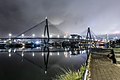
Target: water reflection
{"x":43,"y":65}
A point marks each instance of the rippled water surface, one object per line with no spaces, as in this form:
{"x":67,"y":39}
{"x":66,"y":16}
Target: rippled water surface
{"x":38,"y":65}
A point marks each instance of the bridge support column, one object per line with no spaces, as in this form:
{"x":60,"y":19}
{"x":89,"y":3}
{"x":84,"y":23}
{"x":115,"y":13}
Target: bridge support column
{"x":46,"y":32}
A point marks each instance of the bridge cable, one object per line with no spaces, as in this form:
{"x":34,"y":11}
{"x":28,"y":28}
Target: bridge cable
{"x":30,"y":29}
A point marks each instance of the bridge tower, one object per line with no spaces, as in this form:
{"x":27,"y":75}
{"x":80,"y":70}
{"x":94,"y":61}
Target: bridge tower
{"x":46,"y":31}
{"x":88,"y":36}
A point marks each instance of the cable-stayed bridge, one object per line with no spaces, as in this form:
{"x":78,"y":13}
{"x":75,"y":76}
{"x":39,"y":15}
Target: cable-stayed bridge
{"x":48,"y":35}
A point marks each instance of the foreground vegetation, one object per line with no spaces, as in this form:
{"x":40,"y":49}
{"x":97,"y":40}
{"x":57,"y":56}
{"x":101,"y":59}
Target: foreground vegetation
{"x":72,"y":75}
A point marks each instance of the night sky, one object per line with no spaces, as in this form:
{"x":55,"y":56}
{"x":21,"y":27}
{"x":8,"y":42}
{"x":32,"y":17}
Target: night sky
{"x":72,"y":16}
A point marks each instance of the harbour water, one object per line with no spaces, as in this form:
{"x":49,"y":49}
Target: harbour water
{"x":38,"y":65}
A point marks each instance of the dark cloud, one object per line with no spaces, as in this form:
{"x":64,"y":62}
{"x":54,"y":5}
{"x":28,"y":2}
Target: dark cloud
{"x":72,"y":16}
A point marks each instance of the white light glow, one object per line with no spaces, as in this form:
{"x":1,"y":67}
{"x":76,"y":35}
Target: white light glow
{"x":15,"y":40}
{"x":22,"y":35}
{"x":45,"y":72}
{"x":65,"y":49}
{"x":42,"y":54}
{"x":9,"y":34}
{"x":46,"y":17}
{"x":51,"y":36}
{"x":37,"y":42}
{"x":14,"y":50}
{"x":9,"y":50}
{"x":5,"y":41}
{"x":75,"y":37}
{"x":42,"y":35}
{"x":70,"y":37}
{"x":58,"y":53}
{"x":10,"y":42}
{"x":75,"y":52}
{"x":70,"y":52}
{"x":33,"y":35}
{"x":23,"y":45}
{"x":58,"y":36}
{"x":116,"y":32}
{"x":33,"y":54}
{"x":66,"y":54}
{"x":9,"y":54}
{"x":22,"y":54}
{"x":65,"y":36}
{"x":51,"y":54}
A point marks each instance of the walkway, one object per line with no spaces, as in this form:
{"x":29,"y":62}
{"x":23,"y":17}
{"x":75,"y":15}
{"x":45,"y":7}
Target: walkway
{"x":101,"y":68}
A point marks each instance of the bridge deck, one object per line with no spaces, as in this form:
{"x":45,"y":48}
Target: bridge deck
{"x":101,"y":68}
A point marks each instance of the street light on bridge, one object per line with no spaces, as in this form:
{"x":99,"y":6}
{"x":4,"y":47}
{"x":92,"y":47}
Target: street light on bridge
{"x":22,"y":35}
{"x":51,"y":36}
{"x":58,"y":36}
{"x":10,"y":35}
{"x":33,"y":35}
{"x":42,"y":35}
{"x":65,"y":36}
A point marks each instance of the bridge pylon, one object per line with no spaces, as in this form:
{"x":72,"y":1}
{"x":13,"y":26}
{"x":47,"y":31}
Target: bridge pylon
{"x":46,"y":31}
{"x":88,"y":36}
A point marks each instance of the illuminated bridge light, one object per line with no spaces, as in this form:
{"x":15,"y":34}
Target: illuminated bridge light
{"x":51,"y":36}
{"x":33,"y":35}
{"x":96,"y":39}
{"x":58,"y":36}
{"x":42,"y":35}
{"x":22,"y":35}
{"x":65,"y":36}
{"x":9,"y":34}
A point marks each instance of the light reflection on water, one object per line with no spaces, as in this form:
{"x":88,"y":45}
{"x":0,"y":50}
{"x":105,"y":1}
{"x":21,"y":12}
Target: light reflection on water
{"x":33,"y":65}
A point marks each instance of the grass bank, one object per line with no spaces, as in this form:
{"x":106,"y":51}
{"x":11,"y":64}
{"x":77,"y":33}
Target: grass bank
{"x":72,"y":75}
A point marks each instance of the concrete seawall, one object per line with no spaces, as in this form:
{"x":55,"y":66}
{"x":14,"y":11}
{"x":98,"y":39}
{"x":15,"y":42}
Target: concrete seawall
{"x":102,"y":68}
